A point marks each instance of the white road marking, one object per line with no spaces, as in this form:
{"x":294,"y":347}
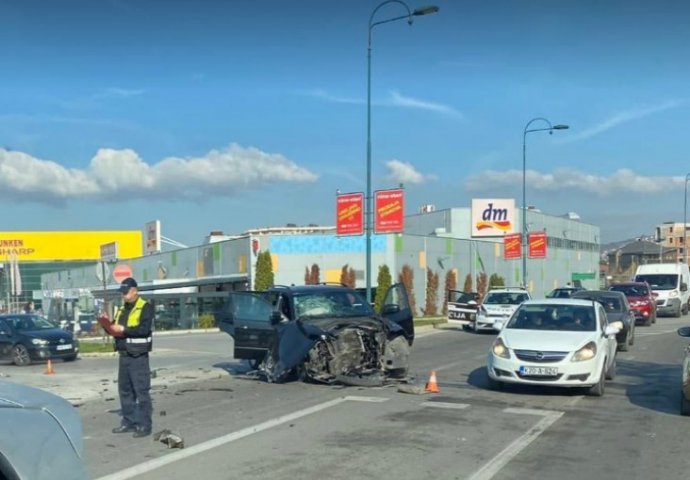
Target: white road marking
{"x":650,"y":334}
{"x":494,"y":465}
{"x":458,"y":406}
{"x":231,"y":437}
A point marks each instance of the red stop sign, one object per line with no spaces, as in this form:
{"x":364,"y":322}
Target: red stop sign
{"x":122,"y":271}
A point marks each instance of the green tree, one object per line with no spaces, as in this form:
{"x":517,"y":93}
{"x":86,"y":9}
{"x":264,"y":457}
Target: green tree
{"x":451,"y":284}
{"x":383,"y":283}
{"x":264,"y":271}
{"x":482,"y":283}
{"x":315,"y":274}
{"x":406,"y":277}
{"x":431,"y":303}
{"x":467,"y":287}
{"x":495,"y":280}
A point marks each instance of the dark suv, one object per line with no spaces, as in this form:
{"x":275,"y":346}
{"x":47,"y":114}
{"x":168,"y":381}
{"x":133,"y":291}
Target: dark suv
{"x":326,"y":333}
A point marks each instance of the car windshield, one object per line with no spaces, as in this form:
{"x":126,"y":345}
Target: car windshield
{"x":560,"y":293}
{"x":659,"y":281}
{"x":631,"y":290}
{"x":334,"y":303}
{"x":463,"y":297}
{"x":505,"y":298}
{"x":30,"y":322}
{"x":568,"y":318}
{"x":611,"y":303}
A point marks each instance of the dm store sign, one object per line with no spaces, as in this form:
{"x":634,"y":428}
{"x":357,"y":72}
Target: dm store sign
{"x":493,"y":217}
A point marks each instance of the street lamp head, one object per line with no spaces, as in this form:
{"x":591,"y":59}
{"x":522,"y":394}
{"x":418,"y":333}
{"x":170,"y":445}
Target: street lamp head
{"x":418,"y":12}
{"x":561,"y":127}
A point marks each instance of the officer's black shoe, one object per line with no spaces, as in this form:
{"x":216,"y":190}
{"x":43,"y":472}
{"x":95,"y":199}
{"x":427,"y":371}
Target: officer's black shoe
{"x":142,"y":432}
{"x":125,"y":429}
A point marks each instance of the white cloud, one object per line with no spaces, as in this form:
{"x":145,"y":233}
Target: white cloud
{"x":398,"y":100}
{"x":394,"y":99}
{"x":117,"y":173}
{"x":621,"y":181}
{"x":621,"y":118}
{"x":405,"y":173}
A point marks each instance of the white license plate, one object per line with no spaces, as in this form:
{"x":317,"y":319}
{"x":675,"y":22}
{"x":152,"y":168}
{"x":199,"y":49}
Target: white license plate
{"x":539,"y":371}
{"x":64,"y":347}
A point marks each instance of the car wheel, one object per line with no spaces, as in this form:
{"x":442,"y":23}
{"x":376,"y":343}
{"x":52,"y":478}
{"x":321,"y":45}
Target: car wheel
{"x":631,"y":342}
{"x":654,"y":319}
{"x":71,"y":358}
{"x":598,"y":389}
{"x":623,"y":347}
{"x":611,"y":372}
{"x":649,"y":321}
{"x":684,"y":405}
{"x":678,"y":312}
{"x":20,"y":355}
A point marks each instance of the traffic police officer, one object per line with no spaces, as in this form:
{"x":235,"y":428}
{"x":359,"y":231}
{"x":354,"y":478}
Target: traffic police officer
{"x":134,"y":323}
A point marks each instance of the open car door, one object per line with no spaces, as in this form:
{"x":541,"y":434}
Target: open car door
{"x":247,"y":318}
{"x":396,"y":308}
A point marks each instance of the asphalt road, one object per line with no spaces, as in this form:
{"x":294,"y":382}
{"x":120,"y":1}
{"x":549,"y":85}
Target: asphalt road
{"x":236,"y":426}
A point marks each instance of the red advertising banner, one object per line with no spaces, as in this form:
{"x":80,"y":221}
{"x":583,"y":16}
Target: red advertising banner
{"x":537,"y":244}
{"x":349,"y":209}
{"x":512,"y":246}
{"x":389,"y":211}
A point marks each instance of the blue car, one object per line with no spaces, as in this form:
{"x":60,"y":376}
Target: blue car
{"x":27,"y":337}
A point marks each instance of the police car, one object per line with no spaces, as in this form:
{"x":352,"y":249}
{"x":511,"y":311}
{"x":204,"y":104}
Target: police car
{"x":499,"y":303}
{"x":462,"y":307}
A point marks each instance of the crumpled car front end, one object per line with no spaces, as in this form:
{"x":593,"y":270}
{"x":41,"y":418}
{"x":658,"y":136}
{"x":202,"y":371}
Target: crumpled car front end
{"x":363,"y":353}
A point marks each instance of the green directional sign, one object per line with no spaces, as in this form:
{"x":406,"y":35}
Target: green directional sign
{"x":582,"y":276}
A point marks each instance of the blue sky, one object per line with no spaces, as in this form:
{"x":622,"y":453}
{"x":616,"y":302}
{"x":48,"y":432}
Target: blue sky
{"x":230,"y":115}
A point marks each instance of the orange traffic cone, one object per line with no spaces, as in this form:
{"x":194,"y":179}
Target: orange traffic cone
{"x":49,"y":368}
{"x":432,"y":384}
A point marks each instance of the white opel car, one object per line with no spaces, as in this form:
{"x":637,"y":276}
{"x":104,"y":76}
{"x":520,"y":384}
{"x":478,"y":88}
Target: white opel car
{"x":555,"y":342}
{"x":499,"y":304}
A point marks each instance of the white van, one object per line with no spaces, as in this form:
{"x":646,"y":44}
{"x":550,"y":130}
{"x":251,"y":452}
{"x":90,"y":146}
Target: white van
{"x":669,"y":282}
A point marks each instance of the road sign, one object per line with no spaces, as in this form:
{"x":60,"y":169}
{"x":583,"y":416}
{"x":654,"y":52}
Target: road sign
{"x":109,"y":251}
{"x":122,"y":271}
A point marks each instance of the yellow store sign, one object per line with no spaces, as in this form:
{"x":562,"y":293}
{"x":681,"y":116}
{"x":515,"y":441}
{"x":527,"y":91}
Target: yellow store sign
{"x":55,"y":246}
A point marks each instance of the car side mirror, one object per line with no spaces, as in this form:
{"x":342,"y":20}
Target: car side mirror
{"x":498,"y":324}
{"x":683,"y":287}
{"x":684,"y":331}
{"x":613,"y":328}
{"x":390,"y":309}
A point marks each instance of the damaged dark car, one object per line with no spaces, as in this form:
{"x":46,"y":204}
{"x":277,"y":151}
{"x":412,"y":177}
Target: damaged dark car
{"x":321,"y":333}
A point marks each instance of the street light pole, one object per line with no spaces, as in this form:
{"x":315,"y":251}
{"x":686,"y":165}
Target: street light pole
{"x":685,"y":221}
{"x":369,"y":211}
{"x":527,"y":130}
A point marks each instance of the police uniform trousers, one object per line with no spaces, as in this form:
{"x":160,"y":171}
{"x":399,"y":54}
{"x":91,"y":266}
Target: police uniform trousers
{"x":134,"y":386}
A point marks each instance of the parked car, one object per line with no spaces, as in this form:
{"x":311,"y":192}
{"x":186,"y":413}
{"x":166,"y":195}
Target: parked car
{"x":556,"y":342}
{"x":42,"y":435}
{"x":499,"y":303}
{"x":27,"y":337}
{"x":617,"y":308}
{"x":685,"y":376}
{"x":323,"y":333}
{"x":462,"y":307}
{"x":641,"y":300}
{"x":563,"y":292}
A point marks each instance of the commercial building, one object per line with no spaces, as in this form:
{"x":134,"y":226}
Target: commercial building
{"x":187,"y":284}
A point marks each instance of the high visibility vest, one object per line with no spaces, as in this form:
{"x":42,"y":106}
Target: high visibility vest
{"x":135,"y":345}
